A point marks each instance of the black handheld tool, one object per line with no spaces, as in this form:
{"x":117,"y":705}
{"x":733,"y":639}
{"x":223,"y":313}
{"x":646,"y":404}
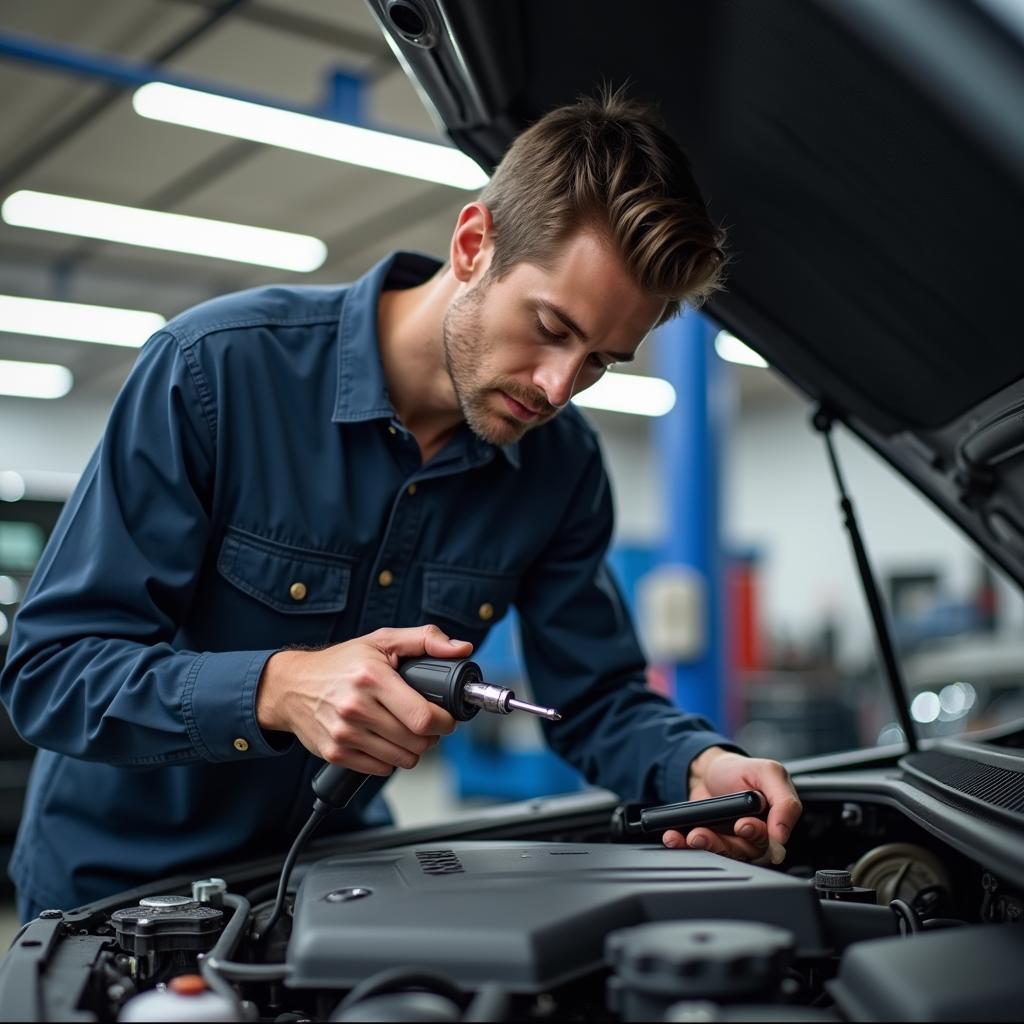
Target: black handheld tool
{"x":632,"y":820}
{"x":454,"y":684}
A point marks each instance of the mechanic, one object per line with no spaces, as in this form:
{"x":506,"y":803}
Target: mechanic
{"x":299,"y":485}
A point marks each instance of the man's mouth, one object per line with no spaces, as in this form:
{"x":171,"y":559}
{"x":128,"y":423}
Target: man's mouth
{"x":520,"y":411}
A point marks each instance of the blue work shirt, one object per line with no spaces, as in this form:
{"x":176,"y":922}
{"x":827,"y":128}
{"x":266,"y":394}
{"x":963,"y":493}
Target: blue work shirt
{"x":254,"y":490}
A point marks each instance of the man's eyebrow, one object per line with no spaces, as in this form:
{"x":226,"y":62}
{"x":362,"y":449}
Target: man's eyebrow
{"x":567,"y":320}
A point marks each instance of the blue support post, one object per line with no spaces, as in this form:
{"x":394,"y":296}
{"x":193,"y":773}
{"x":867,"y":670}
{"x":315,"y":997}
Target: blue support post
{"x":688,"y":442}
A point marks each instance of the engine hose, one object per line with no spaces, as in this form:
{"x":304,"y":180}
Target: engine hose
{"x":216,"y":967}
{"x":910,"y":924}
{"x":320,"y":811}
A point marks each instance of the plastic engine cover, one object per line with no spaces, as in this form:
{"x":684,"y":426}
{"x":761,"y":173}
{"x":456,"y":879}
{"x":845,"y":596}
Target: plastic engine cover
{"x":525,"y":915}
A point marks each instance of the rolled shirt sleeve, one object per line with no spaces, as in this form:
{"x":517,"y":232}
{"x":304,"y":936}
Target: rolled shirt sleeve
{"x":92,"y":670}
{"x":582,"y":656}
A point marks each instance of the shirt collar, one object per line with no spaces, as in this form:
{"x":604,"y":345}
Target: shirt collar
{"x":362,"y":392}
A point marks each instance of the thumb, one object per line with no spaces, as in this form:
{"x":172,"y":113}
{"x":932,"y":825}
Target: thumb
{"x":438,"y":644}
{"x":413,"y":642}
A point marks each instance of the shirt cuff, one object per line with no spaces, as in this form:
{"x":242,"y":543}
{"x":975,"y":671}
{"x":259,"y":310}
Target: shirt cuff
{"x":675,"y":770}
{"x":219,"y":706}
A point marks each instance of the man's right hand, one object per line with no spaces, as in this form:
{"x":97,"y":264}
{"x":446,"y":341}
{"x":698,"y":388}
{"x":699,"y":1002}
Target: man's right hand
{"x":348,"y":704}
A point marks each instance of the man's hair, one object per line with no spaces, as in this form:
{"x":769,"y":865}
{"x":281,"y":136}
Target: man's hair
{"x":607,"y":163}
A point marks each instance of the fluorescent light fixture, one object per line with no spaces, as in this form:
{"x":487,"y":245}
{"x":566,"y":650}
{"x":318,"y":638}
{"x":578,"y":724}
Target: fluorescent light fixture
{"x":34,"y":380}
{"x":629,"y":393}
{"x":77,"y":321}
{"x":42,"y":484}
{"x":731,"y":349}
{"x":170,"y":231}
{"x":305,"y":133}
{"x":12,"y":486}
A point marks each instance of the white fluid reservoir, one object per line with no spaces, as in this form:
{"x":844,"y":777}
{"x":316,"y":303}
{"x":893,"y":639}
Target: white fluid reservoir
{"x":185,"y":998}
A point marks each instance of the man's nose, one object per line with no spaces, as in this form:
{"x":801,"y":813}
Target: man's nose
{"x":556,"y":377}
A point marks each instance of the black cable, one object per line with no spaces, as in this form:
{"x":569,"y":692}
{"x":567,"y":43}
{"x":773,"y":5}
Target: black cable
{"x":320,"y":811}
{"x":906,"y":915}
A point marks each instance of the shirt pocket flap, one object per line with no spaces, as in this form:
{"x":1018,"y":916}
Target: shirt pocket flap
{"x":286,"y":578}
{"x":472,"y":598}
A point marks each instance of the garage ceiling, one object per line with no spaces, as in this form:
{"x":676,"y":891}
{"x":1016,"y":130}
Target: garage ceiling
{"x":77,"y":136}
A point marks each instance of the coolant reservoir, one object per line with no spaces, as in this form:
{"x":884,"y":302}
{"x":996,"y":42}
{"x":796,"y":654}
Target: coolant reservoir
{"x":185,"y":998}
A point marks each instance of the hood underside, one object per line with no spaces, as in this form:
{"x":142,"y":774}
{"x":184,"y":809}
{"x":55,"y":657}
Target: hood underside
{"x":867,"y":159}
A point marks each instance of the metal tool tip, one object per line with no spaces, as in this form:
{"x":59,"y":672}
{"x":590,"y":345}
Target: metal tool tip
{"x":549,"y":713}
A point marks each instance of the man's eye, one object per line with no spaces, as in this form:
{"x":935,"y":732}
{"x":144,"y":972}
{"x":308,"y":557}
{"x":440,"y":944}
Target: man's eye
{"x":550,"y":335}
{"x":601,"y":362}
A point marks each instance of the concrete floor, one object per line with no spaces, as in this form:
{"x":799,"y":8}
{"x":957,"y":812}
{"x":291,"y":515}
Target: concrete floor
{"x":417,"y":797}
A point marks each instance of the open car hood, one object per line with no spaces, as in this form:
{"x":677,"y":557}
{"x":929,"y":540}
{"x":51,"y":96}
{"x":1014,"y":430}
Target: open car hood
{"x":867,"y":158}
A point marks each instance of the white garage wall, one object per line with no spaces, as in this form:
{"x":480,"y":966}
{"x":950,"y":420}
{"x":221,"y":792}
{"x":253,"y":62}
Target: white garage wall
{"x":781,"y":499}
{"x":55,"y":436}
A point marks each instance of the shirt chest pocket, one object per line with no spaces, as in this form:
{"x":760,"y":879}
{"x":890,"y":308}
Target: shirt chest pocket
{"x":466,"y":603}
{"x":285,"y":594}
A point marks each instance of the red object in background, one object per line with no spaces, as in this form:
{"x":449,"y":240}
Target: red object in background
{"x":743,"y":633}
{"x":658,"y":681}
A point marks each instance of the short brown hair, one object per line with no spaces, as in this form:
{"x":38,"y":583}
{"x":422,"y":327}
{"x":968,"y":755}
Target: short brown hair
{"x":607,"y":162}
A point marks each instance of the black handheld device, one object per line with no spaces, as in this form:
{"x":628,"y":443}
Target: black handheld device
{"x":633,"y":819}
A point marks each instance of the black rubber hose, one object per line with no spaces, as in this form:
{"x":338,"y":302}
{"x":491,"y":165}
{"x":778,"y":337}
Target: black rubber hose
{"x":906,"y":914}
{"x":320,"y":811}
{"x":217,"y":967}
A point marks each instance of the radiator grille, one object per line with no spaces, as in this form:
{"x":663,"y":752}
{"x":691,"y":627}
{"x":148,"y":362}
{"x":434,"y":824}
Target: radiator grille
{"x":988,"y":784}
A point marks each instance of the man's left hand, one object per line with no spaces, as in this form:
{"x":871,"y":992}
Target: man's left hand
{"x":716,"y":772}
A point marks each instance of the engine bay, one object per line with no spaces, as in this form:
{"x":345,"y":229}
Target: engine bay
{"x":894,"y":903}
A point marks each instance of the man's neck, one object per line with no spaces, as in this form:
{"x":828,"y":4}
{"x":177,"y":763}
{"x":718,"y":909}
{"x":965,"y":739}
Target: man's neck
{"x":409,"y":325}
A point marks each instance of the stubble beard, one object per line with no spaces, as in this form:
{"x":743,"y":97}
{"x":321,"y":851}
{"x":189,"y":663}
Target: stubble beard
{"x":465,"y":349}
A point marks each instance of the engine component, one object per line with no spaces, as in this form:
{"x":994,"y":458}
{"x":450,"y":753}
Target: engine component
{"x":210,"y":890}
{"x":165,"y":924}
{"x":970,"y":973}
{"x":185,"y":998}
{"x":834,"y":884}
{"x":528,"y":915}
{"x":404,"y":995}
{"x":659,"y":964}
{"x":767,"y":1013}
{"x":900,"y":871}
{"x":402,"y":1006}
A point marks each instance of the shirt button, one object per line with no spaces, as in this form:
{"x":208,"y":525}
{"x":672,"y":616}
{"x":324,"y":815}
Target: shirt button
{"x":486,"y":611}
{"x":410,"y":490}
{"x":392,"y":431}
{"x":298,"y":591}
{"x":386,"y":578}
{"x":241,"y":745}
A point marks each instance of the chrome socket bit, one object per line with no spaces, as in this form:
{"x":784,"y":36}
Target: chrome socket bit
{"x":500,"y":700}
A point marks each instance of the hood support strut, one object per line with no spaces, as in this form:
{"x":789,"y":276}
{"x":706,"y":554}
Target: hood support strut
{"x":822,"y":421}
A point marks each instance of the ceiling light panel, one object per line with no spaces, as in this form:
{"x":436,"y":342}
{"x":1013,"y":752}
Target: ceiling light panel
{"x":76,"y":321}
{"x":154,"y":229}
{"x":34,"y":380}
{"x":305,"y":133}
{"x":732,"y":350}
{"x":629,"y":393}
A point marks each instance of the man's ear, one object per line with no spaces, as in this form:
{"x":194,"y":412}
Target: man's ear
{"x":472,"y":243}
